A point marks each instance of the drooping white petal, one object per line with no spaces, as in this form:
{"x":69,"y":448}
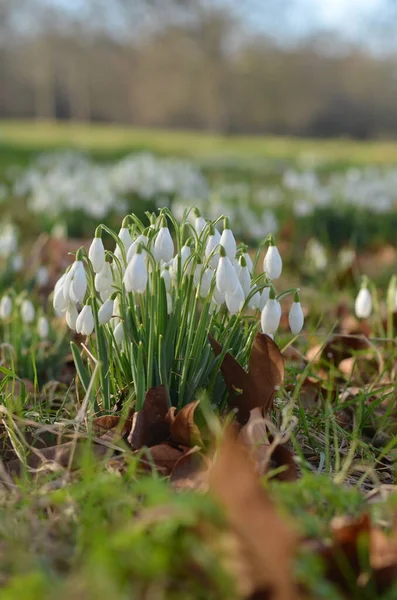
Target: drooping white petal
{"x":78,"y":285}
{"x":104,"y":279}
{"x":296,"y":318}
{"x":272,"y":263}
{"x":229,"y":243}
{"x":27,"y":311}
{"x":270,"y":317}
{"x":119,"y":335}
{"x":136,"y":275}
{"x":105,"y":313}
{"x":96,"y":254}
{"x":212,"y":242}
{"x":85,"y":321}
{"x":141,"y":239}
{"x":226,"y":276}
{"x":363,"y":304}
{"x":163,"y":245}
{"x":244,"y":278}
{"x":235,"y":300}
{"x":264,"y":298}
{"x":71,"y":316}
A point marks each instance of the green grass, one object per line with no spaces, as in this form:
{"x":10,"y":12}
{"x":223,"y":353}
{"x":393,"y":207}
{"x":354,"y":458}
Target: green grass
{"x":111,"y":140}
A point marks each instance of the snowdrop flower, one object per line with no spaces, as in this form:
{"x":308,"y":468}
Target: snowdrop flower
{"x":363,"y":303}
{"x":163,"y":245}
{"x":125,"y":238}
{"x":272,"y":263}
{"x":141,"y":239}
{"x":43,"y":328}
{"x":42,"y":276}
{"x":104,"y":279}
{"x":206,"y":282}
{"x":85,"y":321}
{"x":136,"y":274}
{"x":118,"y":332}
{"x":235,"y":300}
{"x":105,"y":313}
{"x":59,"y":301}
{"x":71,"y":316}
{"x":185,"y":253}
{"x":271,"y":315}
{"x":96,"y":253}
{"x":226,"y":276}
{"x":5,"y":307}
{"x":244,"y":276}
{"x":27,"y":311}
{"x":78,"y":282}
{"x":199,"y":222}
{"x":248,"y":261}
{"x":212,"y":242}
{"x":295,"y":316}
{"x":227,"y":240}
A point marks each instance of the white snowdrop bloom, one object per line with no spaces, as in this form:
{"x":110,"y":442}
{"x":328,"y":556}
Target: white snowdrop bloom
{"x":136,"y":274}
{"x":186,"y":251}
{"x":254,"y":301}
{"x":141,"y":239}
{"x":271,"y":315}
{"x":96,"y":253}
{"x":227,"y":241}
{"x":218,"y":297}
{"x":169,"y":303}
{"x":118,"y":332}
{"x":105,"y":313}
{"x":125,"y":238}
{"x":71,"y":316}
{"x":199,"y":224}
{"x":85,"y":321}
{"x":104,"y":279}
{"x":42,"y":276}
{"x":17,"y":263}
{"x":163,"y":244}
{"x":272,"y":263}
{"x":78,"y":283}
{"x":235,"y":300}
{"x":212,"y":242}
{"x":264,"y":297}
{"x":43,"y":327}
{"x":226,"y":276}
{"x":27,"y":311}
{"x":363,"y":303}
{"x":5,"y":307}
{"x":296,"y":318}
{"x":59,"y":302}
{"x":244,"y":276}
{"x":166,"y":276}
{"x":206,"y":282}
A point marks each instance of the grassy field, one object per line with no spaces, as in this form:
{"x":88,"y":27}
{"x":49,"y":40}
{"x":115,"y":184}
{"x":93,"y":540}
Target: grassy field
{"x":111,"y":140}
{"x":89,"y":512}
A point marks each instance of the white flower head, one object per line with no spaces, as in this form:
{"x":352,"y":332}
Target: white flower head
{"x":226,"y":276}
{"x":228,"y":241}
{"x":199,"y":223}
{"x":27,"y":311}
{"x":43,"y":327}
{"x":163,"y":244}
{"x":272,"y":263}
{"x":78,"y":283}
{"x":296,"y":318}
{"x":104,"y":279}
{"x":212,"y":242}
{"x":96,"y":253}
{"x":71,"y":316}
{"x":235,"y":300}
{"x":363,"y":303}
{"x":85,"y":321}
{"x":136,"y":274}
{"x":244,"y":276}
{"x":5,"y":307}
{"x":105,"y":313}
{"x":271,"y":315}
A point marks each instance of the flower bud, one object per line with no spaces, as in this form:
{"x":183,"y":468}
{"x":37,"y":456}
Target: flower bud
{"x":105,"y":313}
{"x":226,"y":276}
{"x":71,"y":316}
{"x":212,"y":242}
{"x":85,"y":321}
{"x":78,"y":284}
{"x":244,"y":276}
{"x":163,"y":245}
{"x":136,"y":274}
{"x":295,"y":317}
{"x":43,"y":328}
{"x":235,"y":300}
{"x":363,"y":303}
{"x":118,"y":332}
{"x":272,"y":263}
{"x":227,"y":241}
{"x":96,"y":254}
{"x":104,"y":279}
{"x":5,"y":307}
{"x":27,"y":311}
{"x":271,"y":315}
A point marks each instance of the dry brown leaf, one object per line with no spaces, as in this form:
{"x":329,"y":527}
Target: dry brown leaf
{"x":183,"y":428}
{"x":191,"y":471}
{"x":257,"y":387}
{"x":266,"y":455}
{"x":269,"y":543}
{"x":162,"y":457}
{"x":150,"y":425}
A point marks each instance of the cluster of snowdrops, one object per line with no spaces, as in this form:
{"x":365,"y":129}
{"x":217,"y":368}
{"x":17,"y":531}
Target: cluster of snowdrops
{"x":153,"y":301}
